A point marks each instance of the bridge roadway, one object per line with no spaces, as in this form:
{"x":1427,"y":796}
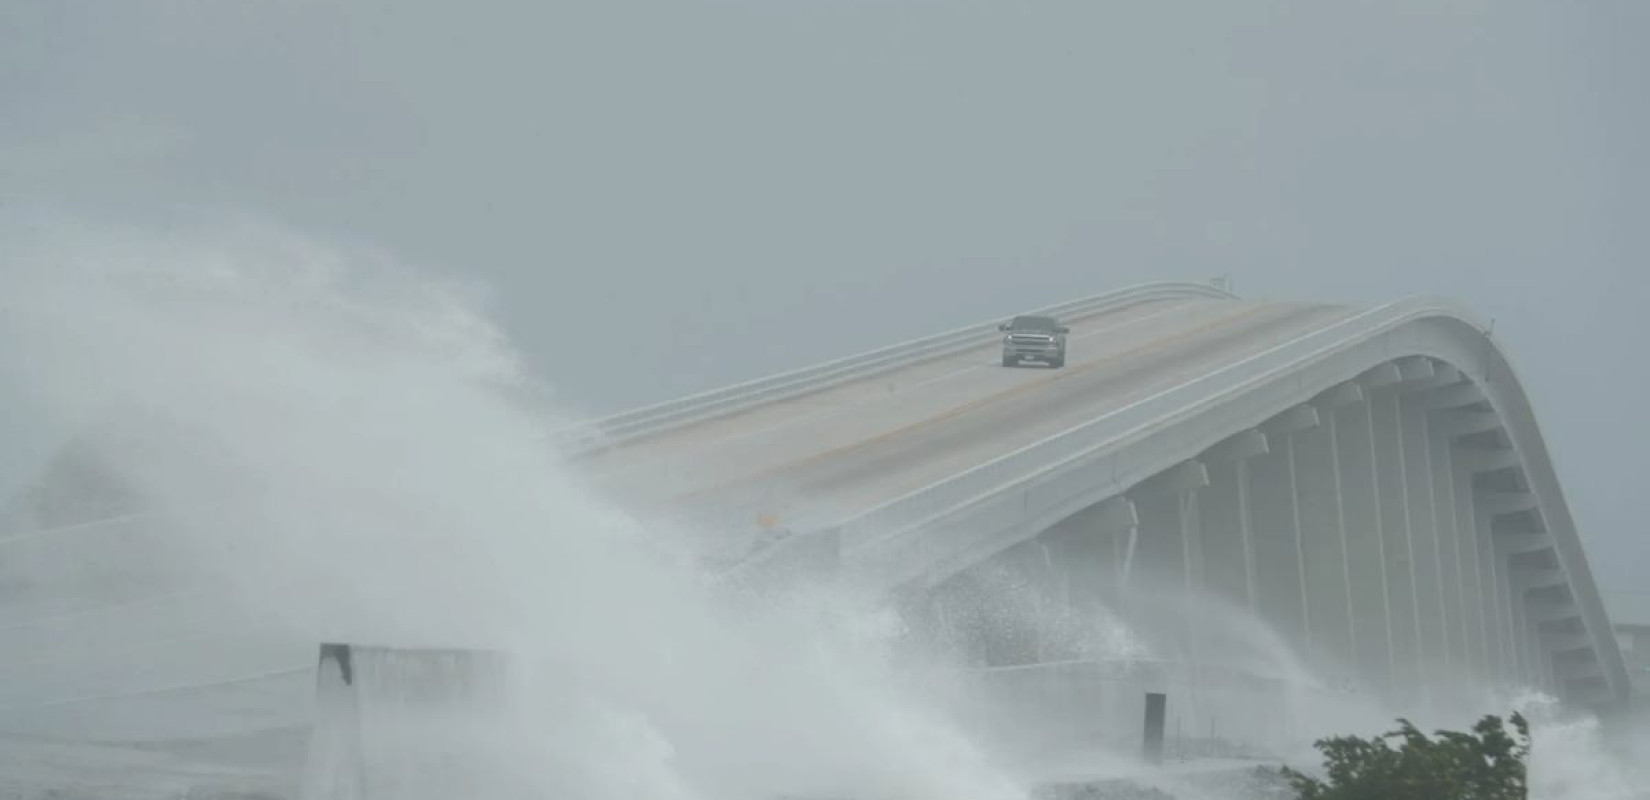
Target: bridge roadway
{"x":827,"y":455}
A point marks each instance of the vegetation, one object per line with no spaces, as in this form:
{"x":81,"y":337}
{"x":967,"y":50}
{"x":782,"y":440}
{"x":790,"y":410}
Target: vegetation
{"x":1487,"y":764}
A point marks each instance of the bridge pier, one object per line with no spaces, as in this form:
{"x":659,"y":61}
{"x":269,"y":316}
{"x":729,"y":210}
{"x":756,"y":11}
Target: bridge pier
{"x":1168,"y":554}
{"x":1389,"y":470}
{"x":1353,"y":427}
{"x":1113,"y":528}
{"x":1322,"y":537}
{"x":1484,"y":602}
{"x":1511,"y":651}
{"x":1433,"y":618}
{"x":1458,"y":580}
{"x":1279,"y":554}
{"x":1225,"y":513}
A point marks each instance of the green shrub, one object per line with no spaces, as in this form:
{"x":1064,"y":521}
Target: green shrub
{"x":1486,"y":764}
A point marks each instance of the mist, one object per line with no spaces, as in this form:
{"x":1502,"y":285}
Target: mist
{"x":317,"y":275}
{"x":814,"y":179}
{"x":330,"y":438}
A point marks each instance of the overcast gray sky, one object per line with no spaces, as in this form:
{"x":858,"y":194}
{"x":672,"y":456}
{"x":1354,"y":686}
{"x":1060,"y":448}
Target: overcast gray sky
{"x":814,"y":177}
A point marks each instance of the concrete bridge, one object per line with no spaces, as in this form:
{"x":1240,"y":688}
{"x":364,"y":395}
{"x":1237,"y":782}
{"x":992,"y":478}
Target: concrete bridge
{"x":1371,"y":482}
{"x":1214,"y":493}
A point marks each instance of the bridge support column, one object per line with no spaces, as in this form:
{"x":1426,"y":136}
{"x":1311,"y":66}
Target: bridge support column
{"x":1227,"y":534}
{"x":1436,"y":616}
{"x":1322,"y":526}
{"x":1532,"y":671}
{"x":1354,"y":428}
{"x":1280,"y":557}
{"x":1465,"y":630}
{"x":1524,"y":547}
{"x":1536,"y":654}
{"x":1530,"y":586}
{"x":1089,"y":554}
{"x":1474,"y":429}
{"x":1395,"y":546}
{"x":1118,"y":524}
{"x":1495,"y":597}
{"x":1484,"y":601}
{"x":1167,"y":556}
{"x":1458,"y":580}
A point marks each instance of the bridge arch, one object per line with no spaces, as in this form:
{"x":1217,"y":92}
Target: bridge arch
{"x":1417,"y":467}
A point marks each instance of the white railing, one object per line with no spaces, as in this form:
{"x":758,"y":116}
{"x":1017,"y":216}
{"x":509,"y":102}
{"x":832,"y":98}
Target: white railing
{"x":661,"y":417}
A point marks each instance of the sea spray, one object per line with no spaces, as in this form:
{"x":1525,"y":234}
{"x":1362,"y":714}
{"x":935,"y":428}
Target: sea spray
{"x":354,"y":453}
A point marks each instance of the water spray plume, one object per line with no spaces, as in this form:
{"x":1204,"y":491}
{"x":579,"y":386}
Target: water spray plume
{"x":327,"y":446}
{"x":341,"y":447}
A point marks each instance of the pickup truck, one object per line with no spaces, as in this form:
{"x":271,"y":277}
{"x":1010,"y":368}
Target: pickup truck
{"x":1034,"y":338}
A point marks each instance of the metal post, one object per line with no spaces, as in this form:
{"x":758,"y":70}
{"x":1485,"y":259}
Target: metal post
{"x":1156,"y":708}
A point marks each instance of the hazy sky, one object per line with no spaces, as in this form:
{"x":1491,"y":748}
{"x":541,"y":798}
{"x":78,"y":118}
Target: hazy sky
{"x":808,"y":178}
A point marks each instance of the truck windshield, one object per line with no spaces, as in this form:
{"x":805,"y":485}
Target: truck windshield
{"x":1032,"y":324}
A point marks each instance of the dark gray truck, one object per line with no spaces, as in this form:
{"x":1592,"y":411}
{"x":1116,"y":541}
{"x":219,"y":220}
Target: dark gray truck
{"x":1034,"y":338}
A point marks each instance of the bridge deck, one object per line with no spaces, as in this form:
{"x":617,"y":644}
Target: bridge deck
{"x":850,"y":448}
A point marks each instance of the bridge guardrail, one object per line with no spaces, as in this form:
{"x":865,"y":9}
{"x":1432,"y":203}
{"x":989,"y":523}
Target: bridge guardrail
{"x":625,"y":426}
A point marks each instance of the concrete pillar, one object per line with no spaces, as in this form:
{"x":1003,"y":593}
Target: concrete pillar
{"x":1457,"y":582}
{"x":1515,"y":519}
{"x":1536,"y":656}
{"x":1279,"y":553}
{"x":1222,"y":542}
{"x":1191,"y":542}
{"x":1512,"y":606}
{"x":1166,"y":555}
{"x":1092,"y":552}
{"x":1465,"y":418}
{"x":1529,"y":668}
{"x":1227,"y":535}
{"x":1158,"y":557}
{"x":1562,"y":614}
{"x":1050,"y":593}
{"x":1396,"y":545}
{"x":1434,"y":612}
{"x":1365,"y":546}
{"x":1529,"y":583}
{"x":1495,"y":597}
{"x":1118,"y":521}
{"x":1542,"y":657}
{"x":1481,"y":598}
{"x":1461,"y":408}
{"x":1316,"y":471}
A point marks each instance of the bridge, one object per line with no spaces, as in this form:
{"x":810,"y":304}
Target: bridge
{"x":1371,"y":483}
{"x":1247,"y":502}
